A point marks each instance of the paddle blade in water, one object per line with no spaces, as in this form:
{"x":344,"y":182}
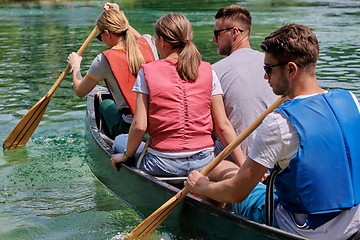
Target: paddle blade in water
{"x":22,"y":132}
{"x":149,"y":225}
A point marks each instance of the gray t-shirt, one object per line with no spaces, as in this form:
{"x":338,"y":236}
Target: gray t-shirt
{"x":246,"y":93}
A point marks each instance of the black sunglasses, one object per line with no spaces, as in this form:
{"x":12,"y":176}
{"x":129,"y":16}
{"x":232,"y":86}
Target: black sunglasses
{"x":118,"y":34}
{"x":99,"y":36}
{"x":216,"y":32}
{"x":268,"y":68}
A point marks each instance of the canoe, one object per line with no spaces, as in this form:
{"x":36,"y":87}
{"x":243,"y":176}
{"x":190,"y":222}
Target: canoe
{"x":192,"y":218}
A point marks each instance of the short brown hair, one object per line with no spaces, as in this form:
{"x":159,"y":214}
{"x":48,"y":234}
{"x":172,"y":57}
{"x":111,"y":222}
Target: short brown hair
{"x":292,"y":42}
{"x":235,"y":13}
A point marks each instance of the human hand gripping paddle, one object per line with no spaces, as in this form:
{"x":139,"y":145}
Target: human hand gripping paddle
{"x":21,"y":133}
{"x":149,"y":225}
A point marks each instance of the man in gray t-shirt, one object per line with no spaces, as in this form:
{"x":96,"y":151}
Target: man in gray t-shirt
{"x":246,"y":93}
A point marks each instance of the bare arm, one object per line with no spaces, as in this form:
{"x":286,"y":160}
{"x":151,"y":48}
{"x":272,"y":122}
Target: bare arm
{"x":82,"y":86}
{"x":139,"y":124}
{"x":137,"y":130}
{"x":231,"y":190}
{"x":224,"y":129}
{"x":108,"y":6}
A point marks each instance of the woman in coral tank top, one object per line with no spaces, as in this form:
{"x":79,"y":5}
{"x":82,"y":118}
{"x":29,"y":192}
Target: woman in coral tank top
{"x":178,"y":101}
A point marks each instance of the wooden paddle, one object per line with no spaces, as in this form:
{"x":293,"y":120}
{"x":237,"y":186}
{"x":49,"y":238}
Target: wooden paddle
{"x":21,"y":133}
{"x":156,"y":218}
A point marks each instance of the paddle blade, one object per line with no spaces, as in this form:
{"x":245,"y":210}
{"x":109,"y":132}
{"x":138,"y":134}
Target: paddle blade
{"x":22,"y":132}
{"x":27,"y":125}
{"x":149,"y":225}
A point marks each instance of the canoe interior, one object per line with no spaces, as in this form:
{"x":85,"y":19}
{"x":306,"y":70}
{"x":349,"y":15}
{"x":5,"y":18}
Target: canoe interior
{"x":192,"y":218}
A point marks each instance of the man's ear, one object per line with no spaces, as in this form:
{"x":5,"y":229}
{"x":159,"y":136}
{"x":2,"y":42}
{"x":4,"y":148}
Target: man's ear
{"x":293,"y":68}
{"x":235,"y":32}
{"x":238,"y":30}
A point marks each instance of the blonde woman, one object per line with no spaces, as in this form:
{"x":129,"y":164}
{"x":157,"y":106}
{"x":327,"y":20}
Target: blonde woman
{"x":176,"y":99}
{"x":117,"y":66}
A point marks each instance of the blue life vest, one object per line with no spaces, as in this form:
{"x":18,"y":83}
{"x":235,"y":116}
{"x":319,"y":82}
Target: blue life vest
{"x":323,"y":179}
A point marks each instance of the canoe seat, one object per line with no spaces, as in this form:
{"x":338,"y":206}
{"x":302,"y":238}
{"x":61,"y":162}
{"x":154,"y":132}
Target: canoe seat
{"x":172,"y":178}
{"x":175,"y":181}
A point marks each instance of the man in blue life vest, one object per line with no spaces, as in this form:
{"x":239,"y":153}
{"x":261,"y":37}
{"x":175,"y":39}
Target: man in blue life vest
{"x":312,"y":140}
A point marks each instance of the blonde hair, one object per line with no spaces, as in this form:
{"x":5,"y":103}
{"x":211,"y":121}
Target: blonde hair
{"x":176,"y":29}
{"x":115,"y":22}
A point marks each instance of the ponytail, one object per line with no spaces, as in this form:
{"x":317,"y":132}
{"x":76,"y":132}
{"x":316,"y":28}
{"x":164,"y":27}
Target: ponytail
{"x":176,"y":29}
{"x":134,"y":56}
{"x":189,"y":62}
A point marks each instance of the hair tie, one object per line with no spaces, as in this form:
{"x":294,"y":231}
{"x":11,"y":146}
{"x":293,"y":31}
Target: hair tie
{"x":123,"y":33}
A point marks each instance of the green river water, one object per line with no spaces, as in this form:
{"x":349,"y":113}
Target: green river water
{"x":46,"y":188}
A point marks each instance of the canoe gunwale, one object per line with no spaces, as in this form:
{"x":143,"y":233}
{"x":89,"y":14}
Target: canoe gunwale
{"x":188,"y":216}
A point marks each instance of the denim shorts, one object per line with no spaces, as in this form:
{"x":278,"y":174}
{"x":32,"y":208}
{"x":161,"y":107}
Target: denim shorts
{"x":253,"y":207}
{"x":175,"y":167}
{"x":219,"y":147}
{"x":120,"y":143}
{"x":162,"y":166}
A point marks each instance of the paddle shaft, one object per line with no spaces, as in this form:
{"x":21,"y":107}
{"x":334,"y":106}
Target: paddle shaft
{"x":22,"y":132}
{"x":150,"y":224}
{"x":242,"y":136}
{"x":67,"y":69}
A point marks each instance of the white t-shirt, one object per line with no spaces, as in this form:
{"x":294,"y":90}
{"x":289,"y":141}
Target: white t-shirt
{"x":278,"y":141}
{"x":141,"y":87}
